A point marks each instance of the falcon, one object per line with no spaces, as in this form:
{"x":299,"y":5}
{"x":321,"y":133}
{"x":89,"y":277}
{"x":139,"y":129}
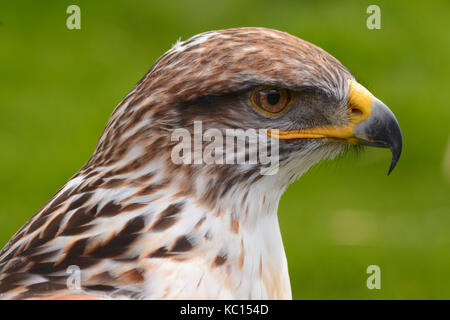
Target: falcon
{"x":134,"y":224}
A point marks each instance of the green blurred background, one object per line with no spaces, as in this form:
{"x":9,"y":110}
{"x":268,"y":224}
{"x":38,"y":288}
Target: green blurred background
{"x":58,"y":88}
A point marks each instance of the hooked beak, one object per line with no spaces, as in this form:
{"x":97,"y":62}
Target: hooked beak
{"x":381,"y":129}
{"x":372,"y":123}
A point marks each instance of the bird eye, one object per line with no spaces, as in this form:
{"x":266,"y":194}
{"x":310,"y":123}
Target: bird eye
{"x":272,"y":101}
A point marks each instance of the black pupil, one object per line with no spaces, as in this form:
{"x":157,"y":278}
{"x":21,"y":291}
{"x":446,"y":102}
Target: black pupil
{"x":273,"y":97}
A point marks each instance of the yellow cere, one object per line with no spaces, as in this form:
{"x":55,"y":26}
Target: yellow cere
{"x":360,"y":100}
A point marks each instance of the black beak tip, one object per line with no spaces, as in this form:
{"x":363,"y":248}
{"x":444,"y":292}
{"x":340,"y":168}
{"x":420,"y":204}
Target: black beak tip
{"x":393,"y":164}
{"x":396,"y":149}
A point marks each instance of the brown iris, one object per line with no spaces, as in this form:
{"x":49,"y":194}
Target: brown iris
{"x":272,"y":101}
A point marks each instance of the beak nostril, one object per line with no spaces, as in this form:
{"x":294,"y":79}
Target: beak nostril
{"x":356,"y":114}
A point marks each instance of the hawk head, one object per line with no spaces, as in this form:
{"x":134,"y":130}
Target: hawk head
{"x":139,"y":224}
{"x":246,"y":78}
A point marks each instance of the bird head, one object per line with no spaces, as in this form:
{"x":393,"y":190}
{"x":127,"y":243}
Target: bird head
{"x":245,"y":78}
{"x":134,"y":215}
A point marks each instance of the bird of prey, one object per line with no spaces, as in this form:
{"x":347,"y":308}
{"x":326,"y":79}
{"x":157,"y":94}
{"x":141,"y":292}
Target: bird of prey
{"x":134,"y":224}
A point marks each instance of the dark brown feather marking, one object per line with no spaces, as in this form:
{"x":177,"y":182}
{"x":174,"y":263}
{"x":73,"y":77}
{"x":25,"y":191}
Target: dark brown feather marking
{"x":133,"y":226}
{"x":81,"y":261}
{"x":117,"y":246}
{"x":37,"y":224}
{"x":113,"y":183}
{"x":162,"y":252}
{"x":41,"y":288}
{"x":80,"y":201}
{"x":52,"y":228}
{"x":100,"y":287}
{"x":220,"y":260}
{"x":42,"y":256}
{"x":132,"y":207}
{"x":77,"y":223}
{"x":77,"y":249}
{"x":167,"y":217}
{"x":76,"y":230}
{"x":109,"y":209}
{"x":42,"y":268}
{"x":182,"y":244}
